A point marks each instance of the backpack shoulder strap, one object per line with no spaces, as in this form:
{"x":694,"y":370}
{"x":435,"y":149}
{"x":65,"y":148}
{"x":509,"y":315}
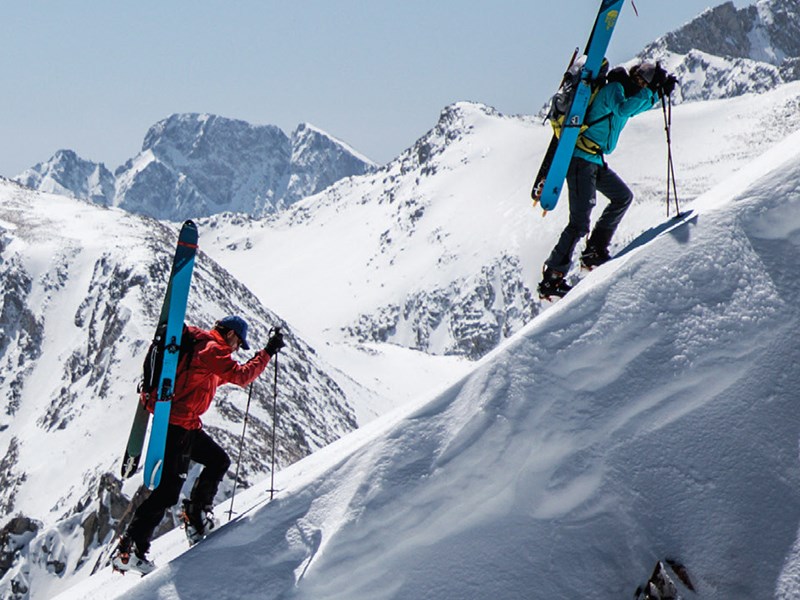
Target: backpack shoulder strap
{"x":189,"y":343}
{"x":598,"y":120}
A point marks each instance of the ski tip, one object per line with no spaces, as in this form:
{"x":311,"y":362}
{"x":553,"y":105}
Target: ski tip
{"x":188,"y":234}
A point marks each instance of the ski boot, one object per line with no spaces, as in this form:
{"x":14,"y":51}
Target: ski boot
{"x":198,"y":521}
{"x":596,"y":252}
{"x":552,"y":285}
{"x":594,"y":256}
{"x":127,"y":558}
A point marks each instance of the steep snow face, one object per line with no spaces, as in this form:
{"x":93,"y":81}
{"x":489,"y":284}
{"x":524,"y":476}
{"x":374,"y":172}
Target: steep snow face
{"x":733,"y":52}
{"x":82,"y":291}
{"x":651,"y":413}
{"x":194,"y":165}
{"x":67,"y":174}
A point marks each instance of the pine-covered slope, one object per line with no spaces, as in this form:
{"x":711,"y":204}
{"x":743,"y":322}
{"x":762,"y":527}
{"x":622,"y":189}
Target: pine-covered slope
{"x":82,"y":289}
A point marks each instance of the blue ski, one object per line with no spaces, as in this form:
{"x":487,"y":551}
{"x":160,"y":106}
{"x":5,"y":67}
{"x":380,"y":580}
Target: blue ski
{"x":548,"y":184}
{"x":173,"y":313}
{"x":177,"y":298}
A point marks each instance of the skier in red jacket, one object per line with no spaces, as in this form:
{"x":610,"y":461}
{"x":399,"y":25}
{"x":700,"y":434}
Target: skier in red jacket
{"x":210,"y":365}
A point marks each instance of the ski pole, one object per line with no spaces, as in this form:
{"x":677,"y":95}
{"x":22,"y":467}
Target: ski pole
{"x":241,"y":445}
{"x":670,"y":163}
{"x":274,"y":421}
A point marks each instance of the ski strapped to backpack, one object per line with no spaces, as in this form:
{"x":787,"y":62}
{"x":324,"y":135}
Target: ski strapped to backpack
{"x":153,"y":362}
{"x":177,"y":291}
{"x":553,"y":170}
{"x":177,"y":298}
{"x":173,"y":313}
{"x":561,"y":102}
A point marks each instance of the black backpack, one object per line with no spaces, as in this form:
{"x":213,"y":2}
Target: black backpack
{"x":561,"y":102}
{"x":154,"y":360}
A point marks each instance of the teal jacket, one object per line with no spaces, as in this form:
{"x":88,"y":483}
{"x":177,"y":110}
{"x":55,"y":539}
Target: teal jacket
{"x":610,"y":102}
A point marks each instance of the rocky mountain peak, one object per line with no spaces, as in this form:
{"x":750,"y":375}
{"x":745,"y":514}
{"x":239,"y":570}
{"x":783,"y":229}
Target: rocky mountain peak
{"x":182,"y":138}
{"x":68,"y":174}
{"x":727,"y":52}
{"x":319,"y":160}
{"x":768,"y":31}
{"x":194,"y":165}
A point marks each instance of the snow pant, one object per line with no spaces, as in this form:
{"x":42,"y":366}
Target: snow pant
{"x":584,"y":179}
{"x":182,"y":446}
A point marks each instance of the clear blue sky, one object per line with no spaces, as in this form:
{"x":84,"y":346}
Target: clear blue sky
{"x":93,"y":76}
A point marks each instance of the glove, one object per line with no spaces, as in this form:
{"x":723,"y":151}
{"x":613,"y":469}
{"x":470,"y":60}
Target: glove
{"x":274,"y":344}
{"x":669,"y":85}
{"x":663,"y":82}
{"x":659,"y":77}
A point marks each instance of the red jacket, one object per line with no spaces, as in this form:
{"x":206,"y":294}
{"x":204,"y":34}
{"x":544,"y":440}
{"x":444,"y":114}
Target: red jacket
{"x":210,"y":366}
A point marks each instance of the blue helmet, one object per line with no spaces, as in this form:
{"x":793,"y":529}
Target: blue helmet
{"x":239,"y":326}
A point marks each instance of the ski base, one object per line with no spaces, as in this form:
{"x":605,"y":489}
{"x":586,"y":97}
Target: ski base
{"x":133,"y":452}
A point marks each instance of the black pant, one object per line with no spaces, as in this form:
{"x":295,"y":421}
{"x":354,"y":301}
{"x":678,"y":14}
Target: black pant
{"x":584,"y":178}
{"x":182,"y":446}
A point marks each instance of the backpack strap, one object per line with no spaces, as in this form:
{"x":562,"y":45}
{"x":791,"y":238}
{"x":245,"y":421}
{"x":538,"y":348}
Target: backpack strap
{"x":598,"y":120}
{"x":587,"y":144}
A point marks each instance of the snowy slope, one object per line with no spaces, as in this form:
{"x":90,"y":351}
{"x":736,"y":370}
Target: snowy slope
{"x":651,"y":413}
{"x":82,"y":290}
{"x":440,"y":250}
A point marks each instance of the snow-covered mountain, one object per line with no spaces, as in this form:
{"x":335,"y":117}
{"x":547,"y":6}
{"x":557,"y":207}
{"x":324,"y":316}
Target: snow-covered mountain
{"x":318,"y":161}
{"x":82,"y":290}
{"x":194,"y":165}
{"x":606,"y":425}
{"x":727,"y":52}
{"x":67,"y":174}
{"x":652,"y":413}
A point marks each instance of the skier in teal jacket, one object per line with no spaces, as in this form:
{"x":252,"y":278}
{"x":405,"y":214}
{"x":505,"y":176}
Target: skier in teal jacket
{"x":624,"y":96}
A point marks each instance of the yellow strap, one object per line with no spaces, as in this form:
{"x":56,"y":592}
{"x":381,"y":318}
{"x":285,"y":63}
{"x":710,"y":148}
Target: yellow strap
{"x":587,"y":145}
